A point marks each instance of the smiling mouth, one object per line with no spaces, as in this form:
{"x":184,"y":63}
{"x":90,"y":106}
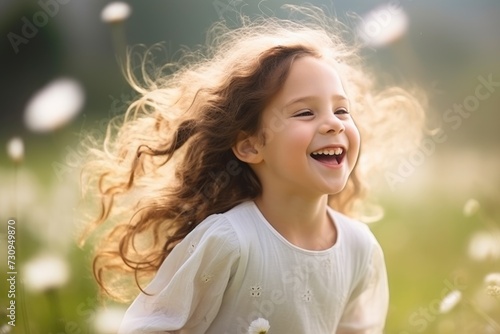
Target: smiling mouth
{"x":329,"y":156}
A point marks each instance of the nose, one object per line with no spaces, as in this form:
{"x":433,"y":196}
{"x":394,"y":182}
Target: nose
{"x":331,"y":125}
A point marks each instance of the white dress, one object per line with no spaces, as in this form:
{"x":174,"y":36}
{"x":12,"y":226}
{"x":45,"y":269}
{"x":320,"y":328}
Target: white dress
{"x":235,"y":267}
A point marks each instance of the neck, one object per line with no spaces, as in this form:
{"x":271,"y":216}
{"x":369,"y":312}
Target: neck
{"x":303,"y":222}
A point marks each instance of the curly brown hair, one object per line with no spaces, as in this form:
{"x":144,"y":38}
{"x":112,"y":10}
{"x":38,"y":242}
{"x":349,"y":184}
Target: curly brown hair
{"x":168,"y":164}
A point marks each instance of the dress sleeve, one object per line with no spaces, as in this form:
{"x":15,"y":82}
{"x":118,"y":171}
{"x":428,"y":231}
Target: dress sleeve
{"x":366,"y":310}
{"x":187,"y":291}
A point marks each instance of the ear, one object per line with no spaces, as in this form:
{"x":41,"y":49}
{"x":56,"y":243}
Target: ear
{"x":247,"y":149}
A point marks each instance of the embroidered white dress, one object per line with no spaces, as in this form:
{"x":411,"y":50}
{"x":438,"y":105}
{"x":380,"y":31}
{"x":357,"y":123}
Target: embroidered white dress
{"x":235,"y":267}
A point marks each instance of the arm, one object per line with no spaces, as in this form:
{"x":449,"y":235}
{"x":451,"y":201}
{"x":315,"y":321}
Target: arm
{"x":366,"y":309}
{"x":187,"y":290}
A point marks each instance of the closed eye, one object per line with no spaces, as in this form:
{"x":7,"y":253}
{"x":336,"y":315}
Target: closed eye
{"x":303,"y":113}
{"x":341,"y":111}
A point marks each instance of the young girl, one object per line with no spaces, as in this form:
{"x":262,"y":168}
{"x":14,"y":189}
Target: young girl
{"x":244,"y":177}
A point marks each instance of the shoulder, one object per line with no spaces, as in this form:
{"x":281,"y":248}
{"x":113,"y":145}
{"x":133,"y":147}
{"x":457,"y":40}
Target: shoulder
{"x":216,"y":233}
{"x":226,"y":220}
{"x":352,"y":229}
{"x":360,"y":246}
{"x":242,"y":211}
{"x":356,"y":237}
{"x":224,"y":228}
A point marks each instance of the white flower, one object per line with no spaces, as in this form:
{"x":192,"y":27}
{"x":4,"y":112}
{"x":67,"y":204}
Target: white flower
{"x":45,"y":272}
{"x":107,"y":320}
{"x":450,"y":301}
{"x":492,"y":279}
{"x":259,"y":326}
{"x":115,"y":12}
{"x":471,"y":207}
{"x":5,"y":329}
{"x":485,"y":245}
{"x":54,"y":105}
{"x":383,"y":25}
{"x":493,"y":284}
{"x":15,"y":149}
{"x":493,"y":290}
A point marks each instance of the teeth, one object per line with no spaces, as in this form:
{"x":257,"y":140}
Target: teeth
{"x":329,"y":151}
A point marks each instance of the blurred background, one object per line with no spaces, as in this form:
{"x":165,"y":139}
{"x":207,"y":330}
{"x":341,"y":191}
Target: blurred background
{"x":61,"y":82}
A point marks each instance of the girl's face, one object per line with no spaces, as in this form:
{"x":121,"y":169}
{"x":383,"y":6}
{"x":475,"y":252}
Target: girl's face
{"x":311,"y":142}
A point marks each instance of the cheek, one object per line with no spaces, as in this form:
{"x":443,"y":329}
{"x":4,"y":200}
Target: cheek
{"x":292,"y":139}
{"x":300,"y":135}
{"x":288,"y":147}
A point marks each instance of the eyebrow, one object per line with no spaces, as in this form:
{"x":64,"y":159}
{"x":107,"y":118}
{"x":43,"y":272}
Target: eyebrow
{"x":336,"y":97}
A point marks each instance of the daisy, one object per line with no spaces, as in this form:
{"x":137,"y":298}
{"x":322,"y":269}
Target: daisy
{"x":54,"y":105}
{"x":493,"y":284}
{"x":15,"y":149}
{"x":485,"y":245}
{"x":259,"y":326}
{"x":383,"y":26}
{"x":45,"y":272}
{"x":115,"y":12}
{"x":450,"y":301}
{"x":107,"y":320}
{"x":471,"y":207}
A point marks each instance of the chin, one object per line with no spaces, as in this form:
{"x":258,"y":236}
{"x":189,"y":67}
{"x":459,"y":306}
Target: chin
{"x":334,"y":190}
